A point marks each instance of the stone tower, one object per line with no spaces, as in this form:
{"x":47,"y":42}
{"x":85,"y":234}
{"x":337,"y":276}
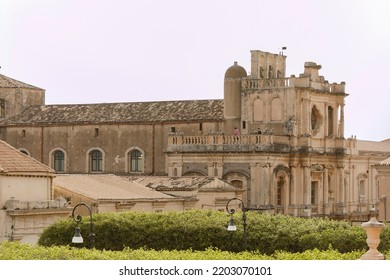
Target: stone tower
{"x":15,"y":96}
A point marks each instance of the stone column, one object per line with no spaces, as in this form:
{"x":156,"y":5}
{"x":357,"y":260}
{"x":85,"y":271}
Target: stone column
{"x":341,"y":195}
{"x":293,"y":189}
{"x":286,"y":194}
{"x":305,"y":123}
{"x":269,"y":199}
{"x":342,"y":121}
{"x":342,"y":191}
{"x":210,"y":169}
{"x":326,"y":191}
{"x":255,"y":192}
{"x":265,"y":185}
{"x":306,"y":185}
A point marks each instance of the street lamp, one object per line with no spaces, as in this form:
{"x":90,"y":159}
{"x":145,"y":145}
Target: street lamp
{"x":232,"y":226}
{"x":77,"y":238}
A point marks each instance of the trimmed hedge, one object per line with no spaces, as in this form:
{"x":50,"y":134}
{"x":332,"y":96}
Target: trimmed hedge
{"x":202,"y":229}
{"x":17,"y":251}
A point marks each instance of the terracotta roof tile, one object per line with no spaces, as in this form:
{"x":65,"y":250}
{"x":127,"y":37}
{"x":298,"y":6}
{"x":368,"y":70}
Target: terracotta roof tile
{"x":13,"y":161}
{"x":385,"y":162}
{"x":133,"y":112}
{"x":165,"y":183}
{"x":374,"y":146}
{"x":106,"y":187}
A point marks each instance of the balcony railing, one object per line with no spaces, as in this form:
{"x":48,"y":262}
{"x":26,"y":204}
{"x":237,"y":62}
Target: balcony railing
{"x":254,"y":84}
{"x":251,"y":142}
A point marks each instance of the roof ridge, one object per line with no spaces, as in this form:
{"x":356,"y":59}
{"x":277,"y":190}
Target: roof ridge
{"x":131,"y":102}
{"x":13,"y":83}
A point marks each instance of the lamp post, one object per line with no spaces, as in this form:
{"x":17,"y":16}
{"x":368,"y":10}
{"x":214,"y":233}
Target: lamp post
{"x":77,"y":238}
{"x":231,"y":211}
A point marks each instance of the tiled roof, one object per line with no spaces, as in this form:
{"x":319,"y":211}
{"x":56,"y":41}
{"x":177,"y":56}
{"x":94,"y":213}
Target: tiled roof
{"x":135,"y":112}
{"x":13,"y":161}
{"x":382,"y":146}
{"x":106,"y":187}
{"x":7,"y":82}
{"x":165,"y":183}
{"x":385,"y":162}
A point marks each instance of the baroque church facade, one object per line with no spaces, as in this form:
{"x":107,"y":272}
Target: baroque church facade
{"x":279,"y":139}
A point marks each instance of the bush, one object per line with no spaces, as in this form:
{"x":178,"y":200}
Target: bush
{"x":202,"y":229}
{"x":17,"y":251}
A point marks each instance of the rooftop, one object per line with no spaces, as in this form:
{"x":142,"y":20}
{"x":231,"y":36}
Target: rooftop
{"x":7,"y":82}
{"x":14,"y":161}
{"x":165,"y":183}
{"x":131,"y":112}
{"x":106,"y":187}
{"x":373,"y":146}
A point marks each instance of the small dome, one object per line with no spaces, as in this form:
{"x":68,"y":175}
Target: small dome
{"x":235,"y":72}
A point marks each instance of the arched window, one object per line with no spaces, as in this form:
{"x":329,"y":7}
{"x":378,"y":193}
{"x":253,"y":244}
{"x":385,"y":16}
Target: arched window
{"x":136,"y":160}
{"x":361,"y":187}
{"x":96,"y":161}
{"x":59,"y":161}
{"x":2,"y":108}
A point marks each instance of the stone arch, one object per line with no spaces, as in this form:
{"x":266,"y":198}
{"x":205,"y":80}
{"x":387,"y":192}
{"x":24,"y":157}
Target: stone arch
{"x":89,"y":161}
{"x":316,"y":120}
{"x":258,"y":110}
{"x":239,"y":180}
{"x":362,"y":180}
{"x":52,"y":159}
{"x":194,"y":173}
{"x":280,"y":193}
{"x":276,"y":109}
{"x":128,"y":153}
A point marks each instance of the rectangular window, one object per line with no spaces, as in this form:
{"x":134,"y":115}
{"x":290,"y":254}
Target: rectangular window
{"x":173,"y":129}
{"x":279,"y":193}
{"x":200,"y":126}
{"x":314,"y":188}
{"x":243,"y":124}
{"x":96,"y":132}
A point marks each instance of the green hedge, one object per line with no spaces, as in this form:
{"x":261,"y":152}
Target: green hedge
{"x":17,"y":251}
{"x":202,"y":229}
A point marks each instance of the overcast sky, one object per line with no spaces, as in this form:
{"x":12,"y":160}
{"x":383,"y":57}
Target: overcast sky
{"x":93,"y":51}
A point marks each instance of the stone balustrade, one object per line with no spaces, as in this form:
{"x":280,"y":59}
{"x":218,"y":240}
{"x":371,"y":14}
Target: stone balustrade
{"x":253,"y":84}
{"x":251,"y":142}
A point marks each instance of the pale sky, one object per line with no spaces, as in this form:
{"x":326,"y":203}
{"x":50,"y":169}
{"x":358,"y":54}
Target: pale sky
{"x":94,"y":51}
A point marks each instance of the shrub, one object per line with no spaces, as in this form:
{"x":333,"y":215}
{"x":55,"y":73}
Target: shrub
{"x":17,"y":251}
{"x":202,"y":229}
